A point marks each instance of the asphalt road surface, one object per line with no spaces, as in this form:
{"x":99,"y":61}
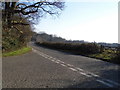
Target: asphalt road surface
{"x":47,"y":68}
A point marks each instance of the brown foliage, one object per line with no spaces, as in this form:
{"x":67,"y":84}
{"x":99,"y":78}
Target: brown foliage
{"x":15,"y":37}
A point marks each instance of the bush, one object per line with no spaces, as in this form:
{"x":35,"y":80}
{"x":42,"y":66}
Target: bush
{"x":116,"y":58}
{"x":15,"y":37}
{"x":85,"y":48}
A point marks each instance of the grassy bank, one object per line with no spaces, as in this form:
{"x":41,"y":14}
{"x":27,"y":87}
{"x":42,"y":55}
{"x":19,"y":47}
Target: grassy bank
{"x":17,"y":52}
{"x":106,"y":54}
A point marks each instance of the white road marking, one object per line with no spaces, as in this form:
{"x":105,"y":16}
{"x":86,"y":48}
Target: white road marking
{"x":85,"y":74}
{"x":46,"y":57}
{"x":94,"y":74}
{"x":73,"y":69}
{"x":112,"y":82}
{"x":106,"y":82}
{"x":61,"y":62}
{"x":69,"y":65}
{"x":50,"y":57}
{"x":63,"y":65}
{"x":53,"y":60}
{"x":110,"y":85}
{"x":56,"y":62}
{"x":80,"y":69}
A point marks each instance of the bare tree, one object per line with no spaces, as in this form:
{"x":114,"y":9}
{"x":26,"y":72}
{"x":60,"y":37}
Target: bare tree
{"x":30,"y":10}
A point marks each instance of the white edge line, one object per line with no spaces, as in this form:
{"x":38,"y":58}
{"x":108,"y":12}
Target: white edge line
{"x":113,"y":82}
{"x":110,"y":85}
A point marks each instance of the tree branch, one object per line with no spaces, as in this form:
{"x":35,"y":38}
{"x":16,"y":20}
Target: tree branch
{"x":20,"y":23}
{"x":36,"y":6}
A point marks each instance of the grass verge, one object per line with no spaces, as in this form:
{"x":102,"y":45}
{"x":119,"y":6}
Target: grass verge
{"x":101,"y":56}
{"x":107,"y":55}
{"x":17,"y":52}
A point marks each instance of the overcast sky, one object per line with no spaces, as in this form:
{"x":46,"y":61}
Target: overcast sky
{"x":89,"y":21}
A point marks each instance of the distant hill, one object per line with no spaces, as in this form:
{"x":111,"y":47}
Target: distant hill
{"x":44,"y":37}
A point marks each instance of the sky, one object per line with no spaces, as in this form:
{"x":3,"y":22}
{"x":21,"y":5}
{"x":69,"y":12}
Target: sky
{"x":89,"y":21}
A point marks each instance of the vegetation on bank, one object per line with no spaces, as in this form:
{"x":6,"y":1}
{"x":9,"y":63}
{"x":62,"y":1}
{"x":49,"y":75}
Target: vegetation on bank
{"x":87,"y":49}
{"x":16,"y":36}
{"x":18,"y":19}
{"x":107,"y":55}
{"x":17,"y":52}
{"x":84,"y":48}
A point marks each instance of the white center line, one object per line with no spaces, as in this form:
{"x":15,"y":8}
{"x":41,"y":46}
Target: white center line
{"x":56,"y":62}
{"x":81,"y":71}
{"x":73,"y":69}
{"x":53,"y":60}
{"x":63,"y":65}
{"x":69,"y":65}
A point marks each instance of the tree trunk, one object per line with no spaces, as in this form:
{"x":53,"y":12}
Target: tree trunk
{"x":9,"y":12}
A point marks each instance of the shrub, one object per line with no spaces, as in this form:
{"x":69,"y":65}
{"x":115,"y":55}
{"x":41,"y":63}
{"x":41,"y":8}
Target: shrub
{"x":15,"y":37}
{"x":85,"y":48}
{"x":116,"y":57}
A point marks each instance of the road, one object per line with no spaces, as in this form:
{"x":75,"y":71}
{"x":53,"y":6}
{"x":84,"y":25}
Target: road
{"x":47,"y":68}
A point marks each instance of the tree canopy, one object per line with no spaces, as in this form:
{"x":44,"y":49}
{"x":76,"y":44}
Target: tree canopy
{"x":17,"y":17}
{"x":30,"y":10}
